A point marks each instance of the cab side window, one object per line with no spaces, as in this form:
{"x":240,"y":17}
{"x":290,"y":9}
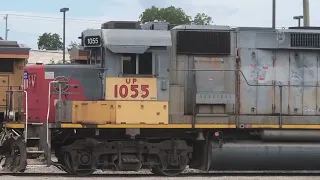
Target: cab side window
{"x":6,"y":65}
{"x":138,"y":64}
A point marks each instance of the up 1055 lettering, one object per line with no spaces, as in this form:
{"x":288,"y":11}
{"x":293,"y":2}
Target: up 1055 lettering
{"x":131,"y":89}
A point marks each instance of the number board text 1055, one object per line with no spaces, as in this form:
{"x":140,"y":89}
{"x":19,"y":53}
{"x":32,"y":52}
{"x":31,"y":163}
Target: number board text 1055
{"x":131,"y":89}
{"x":92,"y":41}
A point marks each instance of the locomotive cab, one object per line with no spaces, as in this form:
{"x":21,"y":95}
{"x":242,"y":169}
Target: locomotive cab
{"x":13,"y":58}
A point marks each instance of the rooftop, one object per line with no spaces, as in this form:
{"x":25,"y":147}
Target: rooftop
{"x":47,"y":57}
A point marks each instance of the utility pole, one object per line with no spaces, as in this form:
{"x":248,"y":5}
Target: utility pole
{"x":306,"y":13}
{"x":273,"y":14}
{"x":6,"y":30}
{"x":64,"y":10}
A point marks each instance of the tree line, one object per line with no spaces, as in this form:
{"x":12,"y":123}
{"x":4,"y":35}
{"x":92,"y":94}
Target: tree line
{"x":171,"y":14}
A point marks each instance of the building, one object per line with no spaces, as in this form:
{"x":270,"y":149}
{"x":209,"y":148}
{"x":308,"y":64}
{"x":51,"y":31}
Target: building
{"x":47,"y":56}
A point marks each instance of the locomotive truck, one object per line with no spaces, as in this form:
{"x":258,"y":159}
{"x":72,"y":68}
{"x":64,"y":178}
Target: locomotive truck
{"x":203,"y":96}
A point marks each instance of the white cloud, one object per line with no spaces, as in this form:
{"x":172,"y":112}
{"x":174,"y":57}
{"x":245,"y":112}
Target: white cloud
{"x":226,"y":12}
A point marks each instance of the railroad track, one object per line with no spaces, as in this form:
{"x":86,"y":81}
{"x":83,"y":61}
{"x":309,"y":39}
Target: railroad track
{"x":187,"y":174}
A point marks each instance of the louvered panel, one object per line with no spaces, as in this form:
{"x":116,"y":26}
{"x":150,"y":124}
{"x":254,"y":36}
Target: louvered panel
{"x":305,"y":40}
{"x":200,"y":42}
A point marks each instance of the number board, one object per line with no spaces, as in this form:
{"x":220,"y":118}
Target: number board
{"x":92,"y":41}
{"x":131,"y":89}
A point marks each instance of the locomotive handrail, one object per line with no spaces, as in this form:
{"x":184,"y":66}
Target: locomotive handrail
{"x":278,"y":85}
{"x":26,"y":112}
{"x":11,"y":101}
{"x":26,"y":116}
{"x":48,"y":112}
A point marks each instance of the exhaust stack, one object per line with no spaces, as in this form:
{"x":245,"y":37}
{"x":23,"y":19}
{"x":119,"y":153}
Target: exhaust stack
{"x":273,"y":14}
{"x":306,"y":13}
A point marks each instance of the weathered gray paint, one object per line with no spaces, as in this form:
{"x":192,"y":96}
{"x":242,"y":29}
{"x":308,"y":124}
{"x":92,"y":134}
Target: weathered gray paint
{"x":264,"y":55}
{"x":130,"y":40}
{"x":203,"y":83}
{"x":133,"y":37}
{"x":87,"y":75}
{"x":264,"y":52}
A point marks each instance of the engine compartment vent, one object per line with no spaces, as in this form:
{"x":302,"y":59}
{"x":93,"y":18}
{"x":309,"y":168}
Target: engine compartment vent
{"x":203,"y":42}
{"x":121,"y":25}
{"x":156,"y":25}
{"x":305,"y":40}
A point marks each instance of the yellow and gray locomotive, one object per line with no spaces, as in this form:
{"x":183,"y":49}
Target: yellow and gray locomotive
{"x":164,"y":98}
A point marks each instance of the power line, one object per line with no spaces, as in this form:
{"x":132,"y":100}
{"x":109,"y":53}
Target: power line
{"x":21,"y":16}
{"x":55,"y":20}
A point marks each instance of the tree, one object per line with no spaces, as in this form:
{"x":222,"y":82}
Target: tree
{"x":170,"y":14}
{"x":73,"y":44}
{"x":202,"y":19}
{"x":173,"y":15}
{"x":50,"y":41}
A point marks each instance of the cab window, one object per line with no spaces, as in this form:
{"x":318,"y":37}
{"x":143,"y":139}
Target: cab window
{"x":139,"y":64}
{"x":6,"y":65}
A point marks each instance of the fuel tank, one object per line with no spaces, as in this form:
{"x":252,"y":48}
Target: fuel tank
{"x":259,"y":156}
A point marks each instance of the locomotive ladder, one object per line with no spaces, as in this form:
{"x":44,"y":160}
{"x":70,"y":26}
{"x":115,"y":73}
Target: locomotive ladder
{"x":35,"y":140}
{"x":40,"y":133}
{"x":38,"y":139}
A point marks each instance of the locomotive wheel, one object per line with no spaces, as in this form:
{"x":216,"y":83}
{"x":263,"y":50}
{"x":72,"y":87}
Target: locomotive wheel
{"x":16,"y":159}
{"x":69,"y":165}
{"x":167,"y":172}
{"x":61,"y":164}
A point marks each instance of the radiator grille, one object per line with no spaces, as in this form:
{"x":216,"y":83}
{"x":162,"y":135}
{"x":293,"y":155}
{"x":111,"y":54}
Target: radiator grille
{"x":199,"y":42}
{"x":305,"y":40}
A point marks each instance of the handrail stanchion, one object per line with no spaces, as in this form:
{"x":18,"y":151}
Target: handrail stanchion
{"x":47,"y":122}
{"x":26,"y":118}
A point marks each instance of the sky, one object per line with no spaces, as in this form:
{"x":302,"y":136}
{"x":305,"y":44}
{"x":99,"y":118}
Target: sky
{"x":28,"y":19}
